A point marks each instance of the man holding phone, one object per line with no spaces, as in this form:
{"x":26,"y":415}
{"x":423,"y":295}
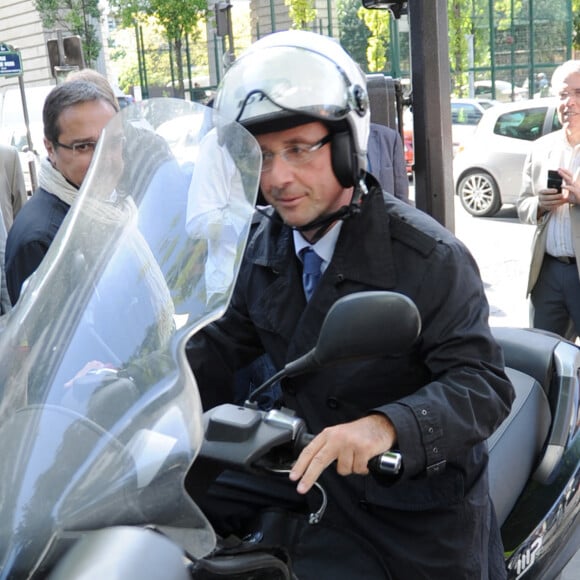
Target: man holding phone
{"x":550,"y":199}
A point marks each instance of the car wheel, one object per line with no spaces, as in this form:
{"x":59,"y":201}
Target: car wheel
{"x":479,"y":194}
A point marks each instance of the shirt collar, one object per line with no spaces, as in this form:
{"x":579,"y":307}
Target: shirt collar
{"x":324,"y":247}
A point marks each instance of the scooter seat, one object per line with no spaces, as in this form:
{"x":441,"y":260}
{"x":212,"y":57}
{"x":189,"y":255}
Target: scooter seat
{"x":516,"y":446}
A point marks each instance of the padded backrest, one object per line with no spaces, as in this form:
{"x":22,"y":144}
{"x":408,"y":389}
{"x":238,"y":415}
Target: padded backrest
{"x":529,"y":351}
{"x":383,"y":100}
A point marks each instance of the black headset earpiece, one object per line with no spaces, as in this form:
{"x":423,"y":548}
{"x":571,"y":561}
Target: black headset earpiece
{"x":343,"y":158}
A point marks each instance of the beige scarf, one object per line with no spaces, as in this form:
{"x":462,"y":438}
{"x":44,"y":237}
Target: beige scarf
{"x":53,"y":181}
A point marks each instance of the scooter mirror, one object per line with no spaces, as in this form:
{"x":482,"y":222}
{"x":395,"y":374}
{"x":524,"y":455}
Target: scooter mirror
{"x":364,"y":325}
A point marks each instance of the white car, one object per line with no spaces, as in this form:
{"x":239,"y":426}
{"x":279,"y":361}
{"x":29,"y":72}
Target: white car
{"x":465,"y":116}
{"x":487,"y":168}
{"x":504,"y":91}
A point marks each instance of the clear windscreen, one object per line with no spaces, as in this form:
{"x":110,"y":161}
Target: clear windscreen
{"x":99,"y":412}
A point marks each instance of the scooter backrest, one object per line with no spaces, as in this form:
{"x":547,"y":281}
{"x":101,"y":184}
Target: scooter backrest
{"x":529,"y":351}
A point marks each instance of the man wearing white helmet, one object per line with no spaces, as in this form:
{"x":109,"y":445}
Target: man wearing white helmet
{"x":305,"y":101}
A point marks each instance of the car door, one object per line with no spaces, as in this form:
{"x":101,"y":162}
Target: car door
{"x":513,"y":134}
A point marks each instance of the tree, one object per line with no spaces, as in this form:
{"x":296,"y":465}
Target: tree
{"x":378,"y":22}
{"x":353,"y":32}
{"x":302,"y":12}
{"x":177,"y":17}
{"x":576,"y":24}
{"x":459,"y":27}
{"x":75,"y":17}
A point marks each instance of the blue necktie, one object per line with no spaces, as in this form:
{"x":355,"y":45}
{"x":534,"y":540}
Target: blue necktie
{"x":311,"y":271}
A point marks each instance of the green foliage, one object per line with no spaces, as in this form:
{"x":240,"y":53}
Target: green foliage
{"x":459,"y":23}
{"x":178,"y":18}
{"x":378,"y":23}
{"x":576,"y":24}
{"x":77,"y":17}
{"x":302,"y":13}
{"x":353,"y":32}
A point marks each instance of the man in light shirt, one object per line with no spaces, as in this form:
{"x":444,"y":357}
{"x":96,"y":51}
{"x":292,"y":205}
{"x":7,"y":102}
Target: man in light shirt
{"x":554,"y":279}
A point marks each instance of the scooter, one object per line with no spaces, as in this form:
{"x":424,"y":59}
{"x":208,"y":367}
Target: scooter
{"x":100,"y":413}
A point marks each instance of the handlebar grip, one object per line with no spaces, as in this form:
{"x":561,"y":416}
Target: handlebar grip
{"x":388,"y":463}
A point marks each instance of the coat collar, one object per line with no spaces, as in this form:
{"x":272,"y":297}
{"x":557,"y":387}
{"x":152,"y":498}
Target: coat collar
{"x":363,"y":254}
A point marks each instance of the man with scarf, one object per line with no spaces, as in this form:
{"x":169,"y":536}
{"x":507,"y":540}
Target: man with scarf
{"x":74,"y":115}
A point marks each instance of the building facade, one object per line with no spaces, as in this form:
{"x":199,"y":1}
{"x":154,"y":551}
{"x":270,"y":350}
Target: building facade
{"x":20,"y":26}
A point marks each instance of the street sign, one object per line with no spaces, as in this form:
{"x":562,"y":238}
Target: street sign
{"x":10,"y":63}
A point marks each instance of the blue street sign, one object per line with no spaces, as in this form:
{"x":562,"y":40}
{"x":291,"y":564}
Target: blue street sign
{"x":10,"y":63}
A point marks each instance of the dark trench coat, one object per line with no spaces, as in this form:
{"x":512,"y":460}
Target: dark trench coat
{"x":445,"y":397}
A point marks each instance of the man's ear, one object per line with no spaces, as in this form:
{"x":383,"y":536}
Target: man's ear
{"x":50,"y":148}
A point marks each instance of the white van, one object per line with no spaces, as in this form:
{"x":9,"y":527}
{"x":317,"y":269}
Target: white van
{"x":13,"y":127}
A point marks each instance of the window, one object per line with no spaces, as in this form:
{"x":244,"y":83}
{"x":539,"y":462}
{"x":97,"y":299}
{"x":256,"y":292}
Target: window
{"x":465,"y":114}
{"x":524,"y":124}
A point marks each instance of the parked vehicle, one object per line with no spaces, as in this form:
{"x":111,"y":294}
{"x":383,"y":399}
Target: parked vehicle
{"x":100,"y":413}
{"x":504,"y":91}
{"x":488,"y":167}
{"x":409,"y":150}
{"x":465,"y":116}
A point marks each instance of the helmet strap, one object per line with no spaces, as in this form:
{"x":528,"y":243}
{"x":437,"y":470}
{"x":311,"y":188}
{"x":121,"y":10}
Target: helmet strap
{"x":324,"y":222}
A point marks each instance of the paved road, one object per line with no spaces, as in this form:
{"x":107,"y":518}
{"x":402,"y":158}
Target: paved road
{"x":501,"y":247}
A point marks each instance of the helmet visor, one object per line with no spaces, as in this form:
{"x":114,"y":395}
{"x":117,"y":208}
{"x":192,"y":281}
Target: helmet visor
{"x":261,"y":86}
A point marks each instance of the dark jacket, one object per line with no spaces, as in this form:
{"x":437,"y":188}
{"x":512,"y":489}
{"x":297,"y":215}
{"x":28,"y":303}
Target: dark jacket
{"x":30,"y":236}
{"x":386,"y":158}
{"x":445,"y":398}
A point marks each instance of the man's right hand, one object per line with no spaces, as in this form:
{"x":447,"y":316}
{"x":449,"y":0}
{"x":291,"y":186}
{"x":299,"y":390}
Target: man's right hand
{"x":550,"y":199}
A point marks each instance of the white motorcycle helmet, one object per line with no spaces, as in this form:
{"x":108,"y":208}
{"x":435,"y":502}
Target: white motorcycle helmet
{"x":294,"y":77}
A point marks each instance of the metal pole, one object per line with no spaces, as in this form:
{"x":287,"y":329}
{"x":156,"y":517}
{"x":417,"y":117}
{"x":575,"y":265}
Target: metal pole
{"x":188,"y":60}
{"x":145,"y":83}
{"x":31,"y":164}
{"x":171,"y":67}
{"x":272,"y":16}
{"x":395,"y":53}
{"x":139,"y":57}
{"x":492,"y":46}
{"x":431,"y":110}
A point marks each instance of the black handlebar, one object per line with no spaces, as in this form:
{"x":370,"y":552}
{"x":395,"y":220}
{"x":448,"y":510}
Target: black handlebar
{"x":242,"y":436}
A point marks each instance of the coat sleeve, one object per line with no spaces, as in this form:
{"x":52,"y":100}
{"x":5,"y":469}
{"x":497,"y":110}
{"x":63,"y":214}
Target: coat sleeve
{"x":19,"y":195}
{"x":528,"y":201}
{"x":469,"y":394}
{"x":400,"y":169}
{"x":217,"y":351}
{"x":21,"y":264}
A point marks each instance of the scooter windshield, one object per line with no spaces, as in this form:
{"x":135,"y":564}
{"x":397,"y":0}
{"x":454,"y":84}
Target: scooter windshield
{"x":100,"y":415}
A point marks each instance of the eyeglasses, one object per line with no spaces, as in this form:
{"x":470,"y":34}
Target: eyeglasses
{"x":82,"y":148}
{"x":565,"y":95}
{"x":297,"y":154}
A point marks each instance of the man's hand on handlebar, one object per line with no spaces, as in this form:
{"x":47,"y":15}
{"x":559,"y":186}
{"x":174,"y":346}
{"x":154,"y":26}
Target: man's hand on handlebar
{"x":352,"y":445}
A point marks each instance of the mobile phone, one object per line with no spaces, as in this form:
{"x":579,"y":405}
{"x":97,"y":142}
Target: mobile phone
{"x":554,"y":180}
